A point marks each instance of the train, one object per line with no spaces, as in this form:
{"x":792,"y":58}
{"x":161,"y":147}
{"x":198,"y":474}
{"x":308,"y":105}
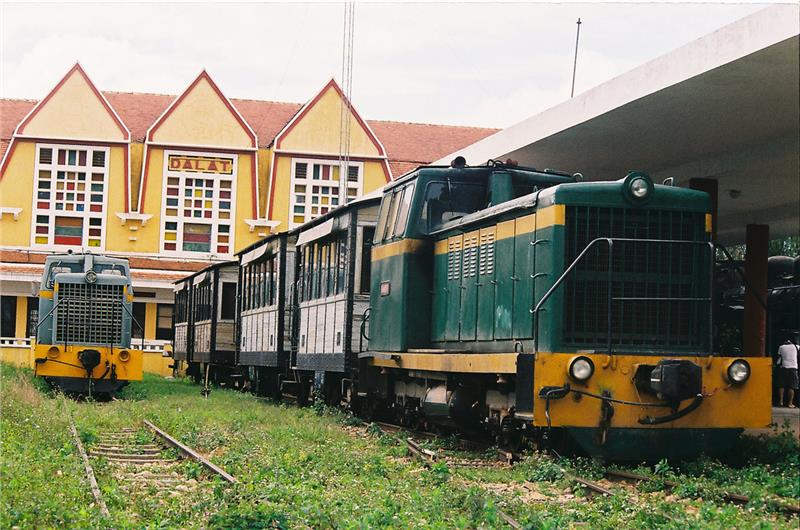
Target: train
{"x":528,"y":304}
{"x":83,"y":336}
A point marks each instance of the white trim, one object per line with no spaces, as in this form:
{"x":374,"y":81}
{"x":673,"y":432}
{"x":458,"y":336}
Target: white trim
{"x":87,"y":214}
{"x":213,"y":221}
{"x":14,"y":211}
{"x":133,"y":216}
{"x":259,"y":223}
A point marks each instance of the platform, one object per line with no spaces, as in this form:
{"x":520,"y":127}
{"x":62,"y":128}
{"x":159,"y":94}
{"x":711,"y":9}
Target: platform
{"x":782,"y":417}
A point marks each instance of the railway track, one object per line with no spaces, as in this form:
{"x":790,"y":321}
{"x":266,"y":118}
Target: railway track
{"x":142,"y":461}
{"x":593,"y":488}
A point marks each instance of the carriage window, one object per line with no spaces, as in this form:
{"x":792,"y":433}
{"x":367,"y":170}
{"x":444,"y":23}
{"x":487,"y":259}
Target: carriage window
{"x":366,"y":259}
{"x":228,"y":302}
{"x":402,"y":214}
{"x":448,"y":201}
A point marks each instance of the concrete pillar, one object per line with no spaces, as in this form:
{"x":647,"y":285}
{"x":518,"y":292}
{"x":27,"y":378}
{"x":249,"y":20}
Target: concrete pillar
{"x":755,"y":267}
{"x":710,"y":186}
{"x":21,"y":323}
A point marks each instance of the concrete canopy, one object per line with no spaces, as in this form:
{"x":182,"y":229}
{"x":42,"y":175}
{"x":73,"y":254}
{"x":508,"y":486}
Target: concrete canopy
{"x":724,"y":106}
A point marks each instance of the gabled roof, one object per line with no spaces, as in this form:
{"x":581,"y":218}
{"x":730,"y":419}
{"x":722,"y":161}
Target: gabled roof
{"x":75,"y":70}
{"x":407,"y":145}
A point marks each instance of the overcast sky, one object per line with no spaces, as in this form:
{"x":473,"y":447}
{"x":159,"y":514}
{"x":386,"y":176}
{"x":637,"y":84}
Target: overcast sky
{"x":463,"y":64}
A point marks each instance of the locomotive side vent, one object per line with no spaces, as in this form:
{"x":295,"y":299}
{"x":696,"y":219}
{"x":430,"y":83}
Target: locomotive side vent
{"x":641,"y":271}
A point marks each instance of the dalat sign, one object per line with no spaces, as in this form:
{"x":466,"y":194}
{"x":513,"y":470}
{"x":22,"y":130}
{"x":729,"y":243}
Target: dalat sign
{"x":201,"y":164}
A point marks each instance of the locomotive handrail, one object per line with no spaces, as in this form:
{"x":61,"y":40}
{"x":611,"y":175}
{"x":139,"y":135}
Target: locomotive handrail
{"x":610,"y":298}
{"x":365,"y":319}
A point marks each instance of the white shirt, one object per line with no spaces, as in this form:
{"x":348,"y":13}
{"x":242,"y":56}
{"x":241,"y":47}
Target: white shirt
{"x":788,"y":353}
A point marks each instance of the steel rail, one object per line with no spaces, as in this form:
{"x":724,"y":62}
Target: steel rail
{"x":191,"y":453}
{"x":731,"y":497}
{"x":98,"y":496}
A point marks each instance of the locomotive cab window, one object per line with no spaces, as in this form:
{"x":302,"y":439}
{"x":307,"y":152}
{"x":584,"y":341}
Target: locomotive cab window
{"x":448,"y":201}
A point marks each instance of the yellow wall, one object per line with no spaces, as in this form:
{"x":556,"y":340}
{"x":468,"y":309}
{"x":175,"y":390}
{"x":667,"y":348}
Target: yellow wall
{"x":137,"y":154}
{"x":22,"y":317}
{"x":150,"y":321}
{"x":244,"y":202}
{"x":202,"y":118}
{"x":74,"y":111}
{"x":318,"y":131}
{"x":16,"y":191}
{"x":116,"y":234}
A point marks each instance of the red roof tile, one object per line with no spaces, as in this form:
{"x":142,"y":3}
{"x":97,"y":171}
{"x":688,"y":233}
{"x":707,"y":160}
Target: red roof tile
{"x":408,"y":145}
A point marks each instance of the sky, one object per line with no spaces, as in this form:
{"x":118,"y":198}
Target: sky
{"x":488,"y":65}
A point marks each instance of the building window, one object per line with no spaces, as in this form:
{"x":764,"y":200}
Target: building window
{"x":164,"y":322}
{"x":198,"y":208}
{"x":317,"y":187}
{"x":8,"y":316}
{"x":71,"y":184}
{"x":139,"y":315}
{"x":33,"y":316}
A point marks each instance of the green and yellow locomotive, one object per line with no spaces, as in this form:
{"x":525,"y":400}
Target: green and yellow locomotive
{"x":83,"y":338}
{"x":530,"y":303}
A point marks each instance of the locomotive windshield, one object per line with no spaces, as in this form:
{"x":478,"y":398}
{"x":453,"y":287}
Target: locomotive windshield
{"x":450,"y":200}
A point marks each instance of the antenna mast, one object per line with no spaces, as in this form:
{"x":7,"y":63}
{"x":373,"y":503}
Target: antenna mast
{"x":575,"y":63}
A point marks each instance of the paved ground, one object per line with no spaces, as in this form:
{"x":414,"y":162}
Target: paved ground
{"x":781,"y":417}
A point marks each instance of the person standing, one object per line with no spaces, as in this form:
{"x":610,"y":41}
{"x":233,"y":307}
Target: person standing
{"x":787,"y":373}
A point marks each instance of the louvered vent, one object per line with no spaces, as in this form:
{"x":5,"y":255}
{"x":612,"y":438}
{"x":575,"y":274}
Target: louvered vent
{"x":486,"y":256}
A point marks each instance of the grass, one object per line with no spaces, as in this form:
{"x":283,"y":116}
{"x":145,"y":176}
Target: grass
{"x":301,"y":468}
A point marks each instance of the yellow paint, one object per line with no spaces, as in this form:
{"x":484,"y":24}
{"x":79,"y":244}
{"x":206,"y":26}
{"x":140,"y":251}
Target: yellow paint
{"x":471,"y":239}
{"x":117,"y":235}
{"x":21,"y":324}
{"x":156,"y":363}
{"x":487,"y":363}
{"x":552,"y":215}
{"x":725,"y":405}
{"x":525,"y":224}
{"x":244,"y":203}
{"x":150,"y":321}
{"x":18,"y":356}
{"x":136,"y":156}
{"x":318,"y":130}
{"x":130,"y":370}
{"x":74,"y":111}
{"x":202,"y":118}
{"x":709,"y":223}
{"x":440,"y":247}
{"x":505,"y":229}
{"x":46,"y":294}
{"x":404,"y":246}
{"x":16,"y":191}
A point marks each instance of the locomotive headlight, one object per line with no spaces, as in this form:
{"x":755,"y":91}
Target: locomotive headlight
{"x":738,"y":371}
{"x":91,"y":277}
{"x":124,"y":356}
{"x":639,"y":188}
{"x":581,"y":368}
{"x":53,"y":352}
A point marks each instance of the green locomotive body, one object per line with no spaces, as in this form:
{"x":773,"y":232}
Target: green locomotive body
{"x":489,"y":283}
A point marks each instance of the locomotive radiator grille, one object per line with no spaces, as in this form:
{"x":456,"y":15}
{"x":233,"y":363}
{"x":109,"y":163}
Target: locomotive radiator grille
{"x":89,"y":313}
{"x":641,"y":272}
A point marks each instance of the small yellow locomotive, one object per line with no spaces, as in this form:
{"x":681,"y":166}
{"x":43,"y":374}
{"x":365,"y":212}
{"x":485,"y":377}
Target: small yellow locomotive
{"x":83,"y":337}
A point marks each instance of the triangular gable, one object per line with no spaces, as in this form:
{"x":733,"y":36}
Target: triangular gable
{"x":316,"y":127}
{"x":202,"y":116}
{"x":74,"y":109}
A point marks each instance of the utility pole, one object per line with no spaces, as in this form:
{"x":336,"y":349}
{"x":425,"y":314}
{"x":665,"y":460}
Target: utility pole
{"x":575,"y":63}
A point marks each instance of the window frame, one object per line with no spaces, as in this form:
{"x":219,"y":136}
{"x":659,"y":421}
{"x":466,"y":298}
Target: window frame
{"x":214,"y":221}
{"x":52,"y":213}
{"x":344,"y":184}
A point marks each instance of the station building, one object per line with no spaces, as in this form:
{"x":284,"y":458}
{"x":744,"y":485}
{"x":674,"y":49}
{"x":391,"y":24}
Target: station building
{"x":176,"y":182}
